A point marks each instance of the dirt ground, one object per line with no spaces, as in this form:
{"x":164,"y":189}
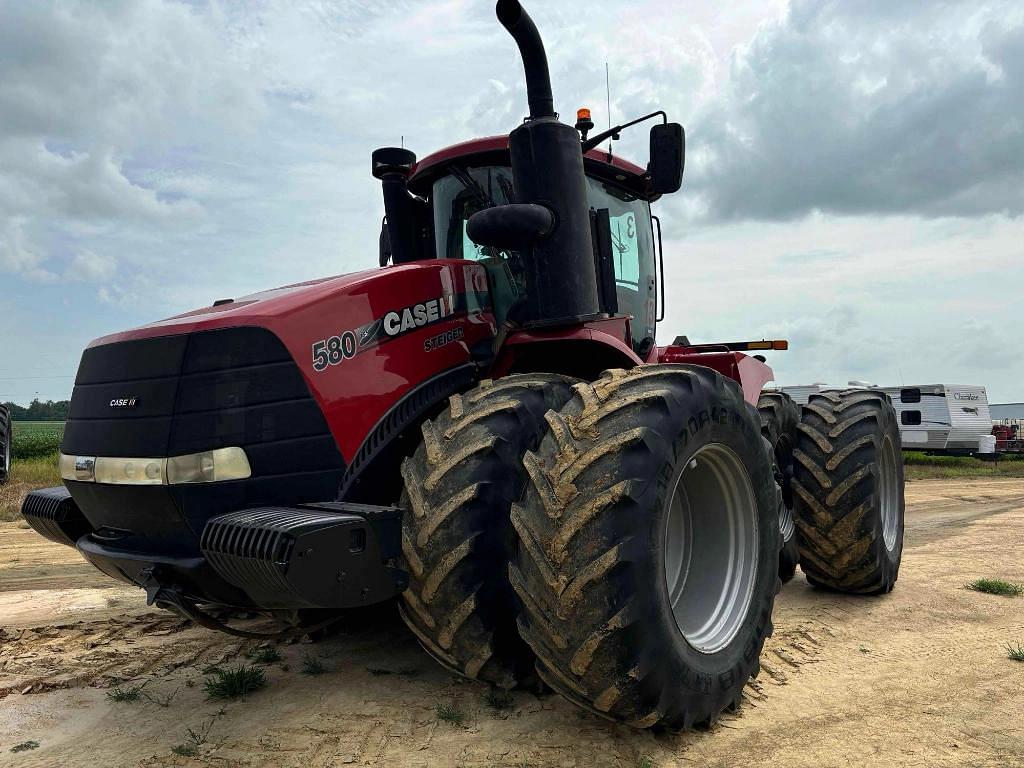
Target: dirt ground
{"x":916,"y":678}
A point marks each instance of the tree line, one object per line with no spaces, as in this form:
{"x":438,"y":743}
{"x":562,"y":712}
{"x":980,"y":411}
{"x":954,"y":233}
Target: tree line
{"x":38,"y":410}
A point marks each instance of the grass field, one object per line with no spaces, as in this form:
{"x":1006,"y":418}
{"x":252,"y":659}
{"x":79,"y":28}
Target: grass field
{"x":33,"y":439}
{"x":26,"y":475}
{"x":921,"y":466}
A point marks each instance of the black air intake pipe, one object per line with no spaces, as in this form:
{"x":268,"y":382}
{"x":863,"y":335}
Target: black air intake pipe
{"x":547,"y":170}
{"x":393,"y":165}
{"x":535,"y":61}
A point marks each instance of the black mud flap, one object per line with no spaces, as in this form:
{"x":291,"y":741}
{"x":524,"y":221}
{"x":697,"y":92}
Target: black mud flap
{"x":330,"y":555}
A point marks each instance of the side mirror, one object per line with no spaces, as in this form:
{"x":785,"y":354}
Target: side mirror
{"x":668,"y":152}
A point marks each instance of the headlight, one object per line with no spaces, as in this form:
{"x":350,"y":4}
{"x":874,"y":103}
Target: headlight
{"x":82,"y":468}
{"x":205,"y":467}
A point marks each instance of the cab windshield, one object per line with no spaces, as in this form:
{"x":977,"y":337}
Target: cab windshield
{"x":465,"y":191}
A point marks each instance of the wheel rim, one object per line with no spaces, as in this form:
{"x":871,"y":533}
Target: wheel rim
{"x":786,"y":525}
{"x":711,"y":552}
{"x":889,"y":494}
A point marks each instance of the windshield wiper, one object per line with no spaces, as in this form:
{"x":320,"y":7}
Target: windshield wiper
{"x":472,"y":186}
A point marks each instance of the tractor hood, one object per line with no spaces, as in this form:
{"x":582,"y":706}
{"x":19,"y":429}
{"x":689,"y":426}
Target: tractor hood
{"x":252,"y":309}
{"x":354,"y":344}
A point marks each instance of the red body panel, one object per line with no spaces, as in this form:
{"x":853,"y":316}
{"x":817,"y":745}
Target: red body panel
{"x":355,"y":393}
{"x":751,"y":373}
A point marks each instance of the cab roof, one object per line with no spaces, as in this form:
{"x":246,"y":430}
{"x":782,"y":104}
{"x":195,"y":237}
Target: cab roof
{"x":493,"y":150}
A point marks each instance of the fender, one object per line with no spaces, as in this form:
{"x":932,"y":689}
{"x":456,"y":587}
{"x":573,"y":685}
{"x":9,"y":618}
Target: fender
{"x":749,"y":372}
{"x":582,"y":351}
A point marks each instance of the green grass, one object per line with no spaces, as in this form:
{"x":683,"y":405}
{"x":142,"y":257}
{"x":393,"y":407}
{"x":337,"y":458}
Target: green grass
{"x":33,"y":439}
{"x":921,"y":466}
{"x":996,"y":587}
{"x":1015,"y":653}
{"x":264,"y":654}
{"x":127,"y":694}
{"x":234,"y":682}
{"x":25,"y":746}
{"x":26,"y":475}
{"x":451,"y":714}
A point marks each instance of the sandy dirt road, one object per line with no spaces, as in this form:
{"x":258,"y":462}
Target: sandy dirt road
{"x":916,"y":678}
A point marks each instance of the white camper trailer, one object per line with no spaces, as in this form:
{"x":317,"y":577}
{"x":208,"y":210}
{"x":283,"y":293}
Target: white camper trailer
{"x":952,"y":418}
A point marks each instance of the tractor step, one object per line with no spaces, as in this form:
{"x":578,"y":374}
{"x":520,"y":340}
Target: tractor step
{"x":330,"y":555}
{"x":53,"y":514}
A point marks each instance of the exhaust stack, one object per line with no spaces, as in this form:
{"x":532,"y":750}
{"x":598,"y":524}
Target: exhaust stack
{"x":535,"y":60}
{"x":547,"y":170}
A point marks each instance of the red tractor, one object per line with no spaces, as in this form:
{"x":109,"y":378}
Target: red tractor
{"x":485,"y":428}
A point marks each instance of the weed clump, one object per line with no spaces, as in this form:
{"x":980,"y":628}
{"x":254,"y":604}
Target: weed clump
{"x":265,"y":654}
{"x":451,"y":714}
{"x":127,"y":694}
{"x":996,"y":587}
{"x":234,"y":682}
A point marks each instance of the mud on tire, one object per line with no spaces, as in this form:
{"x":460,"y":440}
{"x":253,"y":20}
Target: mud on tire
{"x":848,"y":488}
{"x":456,"y":539}
{"x":779,"y":419}
{"x":592,"y":567}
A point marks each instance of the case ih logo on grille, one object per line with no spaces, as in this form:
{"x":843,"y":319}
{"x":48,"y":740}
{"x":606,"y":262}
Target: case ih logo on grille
{"x":346,"y":345}
{"x":123,"y":402}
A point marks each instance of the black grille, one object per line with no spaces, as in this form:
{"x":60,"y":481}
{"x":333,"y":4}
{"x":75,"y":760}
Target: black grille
{"x":196,"y":392}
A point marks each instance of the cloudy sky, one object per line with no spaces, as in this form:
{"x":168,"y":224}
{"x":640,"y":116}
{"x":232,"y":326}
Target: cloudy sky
{"x":855,"y":176}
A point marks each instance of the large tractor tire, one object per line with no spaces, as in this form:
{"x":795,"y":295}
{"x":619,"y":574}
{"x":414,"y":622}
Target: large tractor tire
{"x":780,"y":417}
{"x":457,"y":541}
{"x":648,"y":547}
{"x":6,"y":438}
{"x":848,"y":488}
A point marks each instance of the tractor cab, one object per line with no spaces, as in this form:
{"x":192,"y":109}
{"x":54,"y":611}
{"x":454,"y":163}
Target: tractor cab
{"x":440,"y":193}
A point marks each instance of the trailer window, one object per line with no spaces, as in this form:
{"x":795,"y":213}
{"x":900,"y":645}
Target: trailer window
{"x":910,"y":418}
{"x":910,"y":396}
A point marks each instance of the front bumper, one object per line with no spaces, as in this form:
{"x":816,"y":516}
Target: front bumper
{"x":332,"y":555}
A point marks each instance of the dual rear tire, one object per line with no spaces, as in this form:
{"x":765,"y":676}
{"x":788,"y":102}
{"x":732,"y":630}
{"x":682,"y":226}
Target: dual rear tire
{"x":622,"y":538}
{"x":641,"y":560}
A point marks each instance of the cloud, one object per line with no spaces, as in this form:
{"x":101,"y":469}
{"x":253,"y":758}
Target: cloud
{"x":88,"y":91}
{"x":16,"y":257}
{"x":869,"y":108}
{"x":90,"y":267}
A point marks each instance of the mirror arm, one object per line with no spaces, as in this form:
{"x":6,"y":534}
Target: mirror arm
{"x":613,"y":133}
